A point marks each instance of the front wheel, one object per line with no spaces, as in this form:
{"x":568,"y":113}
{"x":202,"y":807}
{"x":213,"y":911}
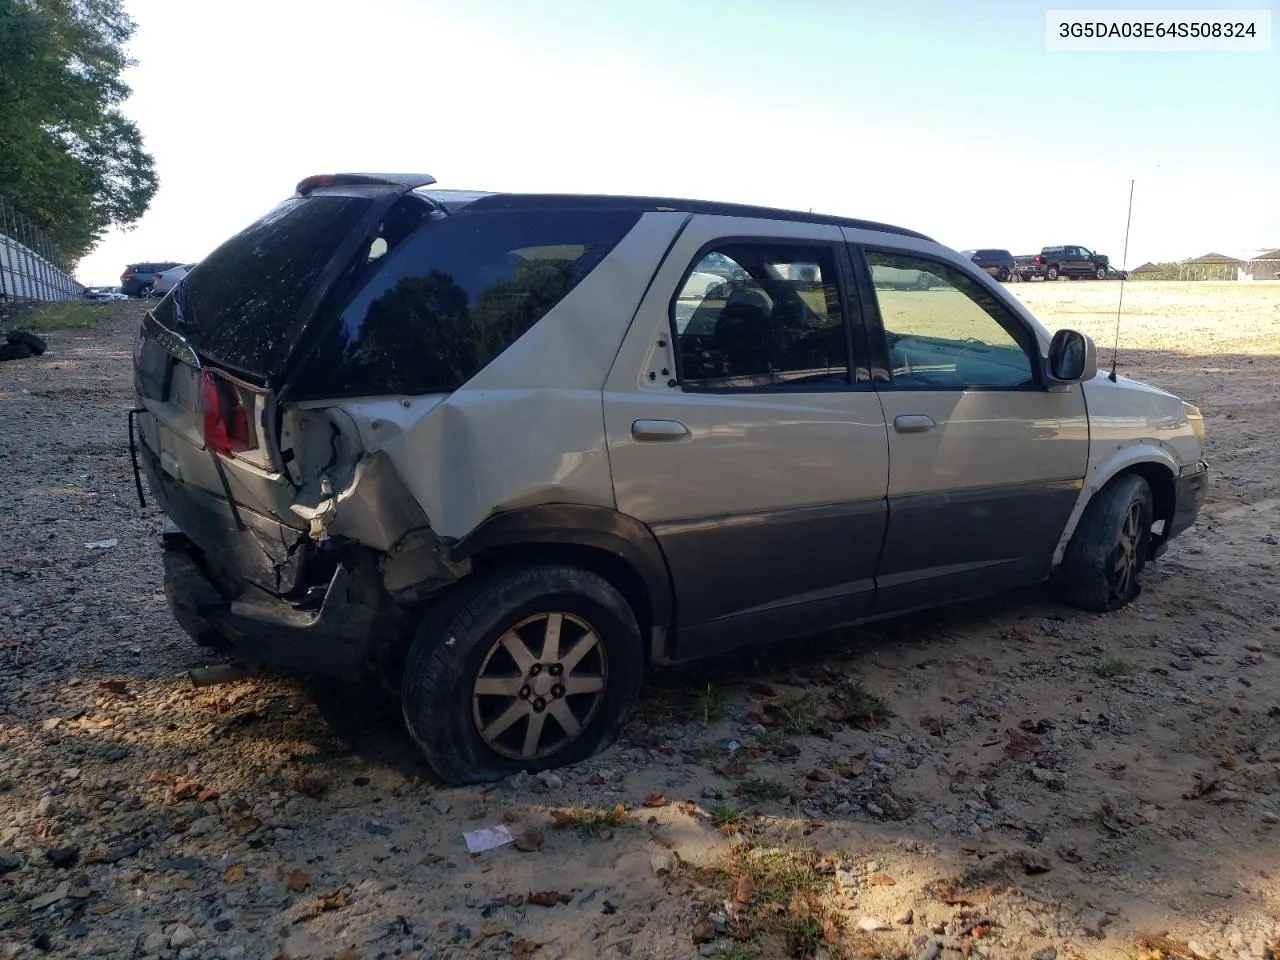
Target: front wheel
{"x":145,"y":291}
{"x":1102,"y":567}
{"x":527,"y":669}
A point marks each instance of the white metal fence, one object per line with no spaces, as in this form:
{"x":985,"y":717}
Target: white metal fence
{"x":29,"y":262}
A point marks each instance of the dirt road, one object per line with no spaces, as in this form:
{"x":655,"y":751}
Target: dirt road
{"x":1011,"y":778}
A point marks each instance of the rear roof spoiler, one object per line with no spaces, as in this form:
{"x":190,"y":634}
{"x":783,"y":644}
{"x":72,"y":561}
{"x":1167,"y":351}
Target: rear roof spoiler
{"x":410,"y":181}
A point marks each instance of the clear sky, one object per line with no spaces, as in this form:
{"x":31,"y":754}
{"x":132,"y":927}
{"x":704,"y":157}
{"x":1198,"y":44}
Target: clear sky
{"x":950,"y":118}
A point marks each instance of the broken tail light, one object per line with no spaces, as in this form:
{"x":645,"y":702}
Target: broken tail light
{"x":227,"y":408}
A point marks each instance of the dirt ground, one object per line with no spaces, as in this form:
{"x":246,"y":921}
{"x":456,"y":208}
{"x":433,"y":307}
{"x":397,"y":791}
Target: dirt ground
{"x":1010,"y":778}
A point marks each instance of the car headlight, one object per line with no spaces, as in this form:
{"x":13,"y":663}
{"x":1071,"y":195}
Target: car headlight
{"x":1196,"y":419}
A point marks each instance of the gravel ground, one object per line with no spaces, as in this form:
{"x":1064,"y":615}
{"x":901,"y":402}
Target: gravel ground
{"x":1010,"y":778}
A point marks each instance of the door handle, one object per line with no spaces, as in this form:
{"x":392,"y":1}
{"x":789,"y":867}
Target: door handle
{"x":913,"y":423}
{"x":656,"y":431}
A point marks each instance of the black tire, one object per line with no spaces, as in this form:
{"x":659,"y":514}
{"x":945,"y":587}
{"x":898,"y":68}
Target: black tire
{"x":1102,"y":567}
{"x":1003,"y":275}
{"x":1101,"y":273}
{"x":15,"y":351}
{"x":461,"y":635}
{"x":145,"y":291}
{"x":37,"y":345}
{"x":1051,"y":273}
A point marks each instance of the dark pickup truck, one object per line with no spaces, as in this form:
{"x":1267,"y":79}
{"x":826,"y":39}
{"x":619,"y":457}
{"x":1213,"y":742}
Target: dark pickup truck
{"x":1065,"y":261}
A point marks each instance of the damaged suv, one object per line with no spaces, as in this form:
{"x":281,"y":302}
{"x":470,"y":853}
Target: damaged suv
{"x":511,"y":450}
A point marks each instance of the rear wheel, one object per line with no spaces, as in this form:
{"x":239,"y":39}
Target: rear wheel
{"x":1051,"y":273}
{"x":1101,"y":273}
{"x":527,"y":669}
{"x":1003,"y":275}
{"x":1102,"y":567}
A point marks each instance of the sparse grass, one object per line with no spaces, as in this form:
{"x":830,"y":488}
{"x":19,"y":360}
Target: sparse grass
{"x":711,"y":705}
{"x":863,"y":707}
{"x":793,"y":878}
{"x":737,"y":951}
{"x":592,"y":823}
{"x":1111,"y":668}
{"x":728,"y":818}
{"x":800,"y":711}
{"x":63,"y":315}
{"x":762,"y":789}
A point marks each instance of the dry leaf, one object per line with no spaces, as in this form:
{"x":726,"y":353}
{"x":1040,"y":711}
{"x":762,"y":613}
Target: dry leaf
{"x":1022,"y":747}
{"x":349,"y":954}
{"x":158,"y":778}
{"x":119,"y":687}
{"x":830,"y":932}
{"x":243,"y":826}
{"x":310,"y":786}
{"x":334,"y":901}
{"x":185,"y":789}
{"x":234,"y":873}
{"x":560,"y":819}
{"x":1203,"y":786}
{"x":298,"y":881}
{"x":95,"y":856}
{"x":529,"y":842}
{"x":545,"y":898}
{"x":106,"y":724}
{"x":655,"y":800}
{"x":208,"y":795}
{"x":1227,"y":762}
{"x":746,"y":891}
{"x":881,"y":880}
{"x":522,"y":949}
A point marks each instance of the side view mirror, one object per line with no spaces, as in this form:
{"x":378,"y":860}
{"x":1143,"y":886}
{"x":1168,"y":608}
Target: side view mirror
{"x":1073,"y":358}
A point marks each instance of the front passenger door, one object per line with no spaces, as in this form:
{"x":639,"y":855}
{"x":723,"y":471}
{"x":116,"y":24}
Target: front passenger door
{"x":985,"y":463}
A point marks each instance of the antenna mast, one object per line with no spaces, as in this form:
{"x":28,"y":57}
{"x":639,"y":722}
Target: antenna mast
{"x":1124,"y":270}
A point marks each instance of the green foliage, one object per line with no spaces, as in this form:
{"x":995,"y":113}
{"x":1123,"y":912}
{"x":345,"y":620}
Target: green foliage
{"x":69,"y":159}
{"x":1112,"y":668}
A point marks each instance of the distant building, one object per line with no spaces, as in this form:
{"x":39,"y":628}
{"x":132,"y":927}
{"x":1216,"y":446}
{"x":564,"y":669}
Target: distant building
{"x":1210,"y":266}
{"x":1264,"y":266}
{"x":1148,"y":271}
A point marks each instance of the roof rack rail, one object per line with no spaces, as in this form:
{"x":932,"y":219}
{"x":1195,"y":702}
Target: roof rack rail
{"x":409,"y":180}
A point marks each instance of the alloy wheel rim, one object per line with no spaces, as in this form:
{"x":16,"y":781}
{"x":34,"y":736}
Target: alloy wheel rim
{"x":539,"y":686}
{"x":1127,"y":559}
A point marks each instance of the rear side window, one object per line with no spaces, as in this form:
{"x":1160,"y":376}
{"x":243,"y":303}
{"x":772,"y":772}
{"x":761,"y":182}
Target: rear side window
{"x":440,"y":306}
{"x":239,"y":308}
{"x":761,"y":316}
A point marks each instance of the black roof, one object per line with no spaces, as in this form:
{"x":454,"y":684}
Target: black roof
{"x":575,"y":201}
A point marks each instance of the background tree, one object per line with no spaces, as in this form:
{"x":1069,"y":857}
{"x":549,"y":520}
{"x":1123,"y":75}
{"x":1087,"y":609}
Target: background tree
{"x":69,"y":159}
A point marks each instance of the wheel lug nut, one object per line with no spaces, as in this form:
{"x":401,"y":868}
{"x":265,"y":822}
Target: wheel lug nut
{"x":557,"y":691}
{"x":535,"y":670}
{"x":556,"y":669}
{"x":524,"y":693}
{"x":539,"y":704}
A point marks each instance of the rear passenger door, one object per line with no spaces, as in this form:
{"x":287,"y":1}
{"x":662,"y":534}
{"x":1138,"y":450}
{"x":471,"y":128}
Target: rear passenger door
{"x":744,"y":431}
{"x":985,"y":463}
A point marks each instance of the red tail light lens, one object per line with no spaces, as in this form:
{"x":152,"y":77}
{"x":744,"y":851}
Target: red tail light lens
{"x":126,"y":276}
{"x":226,"y":418}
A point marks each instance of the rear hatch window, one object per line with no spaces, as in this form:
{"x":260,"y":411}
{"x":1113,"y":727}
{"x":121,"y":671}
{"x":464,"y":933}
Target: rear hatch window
{"x":438,"y":307}
{"x":240,"y":308}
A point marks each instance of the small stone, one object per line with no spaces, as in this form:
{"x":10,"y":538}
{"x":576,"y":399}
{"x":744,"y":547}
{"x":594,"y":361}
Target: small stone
{"x":660,"y":864}
{"x":47,"y":807}
{"x":1197,"y":948}
{"x":1181,"y":664}
{"x":552,"y":780}
{"x":440,"y":806}
{"x":1048,"y":953}
{"x":155,"y":943}
{"x":873,"y":866}
{"x":1270,"y":817}
{"x":931,"y":952}
{"x":78,"y":931}
{"x":1049,"y":778}
{"x":704,"y":931}
{"x":202,"y":826}
{"x":882,"y":753}
{"x":905,"y":919}
{"x":872,"y":924}
{"x":873,"y":809}
{"x":711,"y":793}
{"x":56,"y":895}
{"x":63,"y":857}
{"x":1032,"y":923}
{"x":758,"y":731}
{"x":182,"y":936}
{"x":1093,"y":921}
{"x":843,"y":808}
{"x":9,"y":861}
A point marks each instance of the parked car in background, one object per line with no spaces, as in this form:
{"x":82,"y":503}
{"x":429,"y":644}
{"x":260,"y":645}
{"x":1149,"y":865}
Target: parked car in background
{"x":997,"y":263}
{"x":461,"y":441}
{"x":138,"y":279}
{"x":167,"y":279}
{"x":104,"y":293}
{"x":1064,"y":261}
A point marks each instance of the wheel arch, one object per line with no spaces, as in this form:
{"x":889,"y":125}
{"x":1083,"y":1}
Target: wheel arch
{"x":611,"y":544}
{"x":1153,"y":464}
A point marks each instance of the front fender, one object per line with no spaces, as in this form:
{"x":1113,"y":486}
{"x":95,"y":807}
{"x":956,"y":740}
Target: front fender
{"x":1106,"y":468}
